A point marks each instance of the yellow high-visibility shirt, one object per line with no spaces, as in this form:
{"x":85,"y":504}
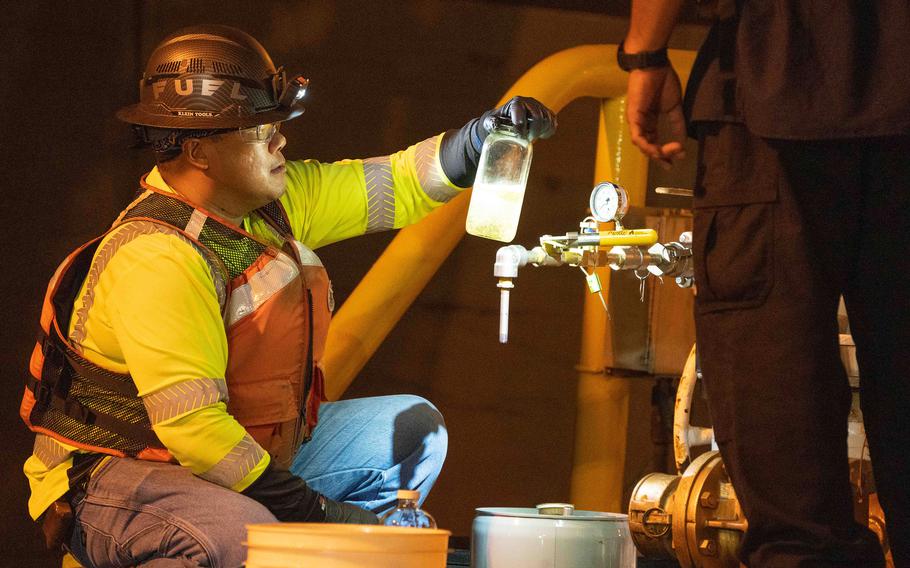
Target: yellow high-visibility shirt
{"x":152,"y":310}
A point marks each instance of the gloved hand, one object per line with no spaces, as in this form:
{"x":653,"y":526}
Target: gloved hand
{"x":460,"y":149}
{"x":340,"y":512}
{"x":529,"y":116}
{"x":290,"y":499}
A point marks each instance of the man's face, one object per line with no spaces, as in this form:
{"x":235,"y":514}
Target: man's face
{"x":249,"y":172}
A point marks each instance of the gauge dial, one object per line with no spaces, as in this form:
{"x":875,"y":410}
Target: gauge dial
{"x":609,"y":202}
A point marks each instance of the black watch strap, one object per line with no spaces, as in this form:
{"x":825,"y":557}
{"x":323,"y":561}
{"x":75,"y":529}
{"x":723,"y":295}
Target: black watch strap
{"x":642,"y":59}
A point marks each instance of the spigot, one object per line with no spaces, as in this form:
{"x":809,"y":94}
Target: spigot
{"x":508,"y":260}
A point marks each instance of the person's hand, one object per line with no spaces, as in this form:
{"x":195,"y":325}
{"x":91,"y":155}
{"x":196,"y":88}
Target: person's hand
{"x":341,"y":512}
{"x":459,"y":150}
{"x":652,"y":93}
{"x":529,"y":117}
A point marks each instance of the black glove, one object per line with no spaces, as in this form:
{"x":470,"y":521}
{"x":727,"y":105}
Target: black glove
{"x":341,"y":512}
{"x":460,"y":149}
{"x":290,"y":499}
{"x":527,"y":115}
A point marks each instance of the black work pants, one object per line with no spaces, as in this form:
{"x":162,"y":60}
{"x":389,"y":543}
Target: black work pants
{"x":781,"y":230}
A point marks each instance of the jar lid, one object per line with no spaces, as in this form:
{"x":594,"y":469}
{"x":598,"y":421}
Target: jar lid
{"x":529,"y":513}
{"x":558,"y":509}
{"x":408,"y":494}
{"x":500,"y":124}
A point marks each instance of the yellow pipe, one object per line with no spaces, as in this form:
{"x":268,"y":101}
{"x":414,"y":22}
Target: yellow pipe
{"x":602,"y":412}
{"x":383,"y":295}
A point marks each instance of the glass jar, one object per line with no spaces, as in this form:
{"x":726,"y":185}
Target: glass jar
{"x":499,"y":188}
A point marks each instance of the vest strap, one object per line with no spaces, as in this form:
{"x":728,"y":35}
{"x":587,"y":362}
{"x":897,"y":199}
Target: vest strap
{"x":107,"y":379}
{"x":84,"y":415}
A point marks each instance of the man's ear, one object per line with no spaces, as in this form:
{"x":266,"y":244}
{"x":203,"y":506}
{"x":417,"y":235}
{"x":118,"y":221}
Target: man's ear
{"x":196,"y":153}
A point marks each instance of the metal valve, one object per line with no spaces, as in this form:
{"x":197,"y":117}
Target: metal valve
{"x":590,"y":247}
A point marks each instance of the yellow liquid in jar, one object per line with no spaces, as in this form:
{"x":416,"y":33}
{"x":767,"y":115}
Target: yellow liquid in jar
{"x":494,"y":211}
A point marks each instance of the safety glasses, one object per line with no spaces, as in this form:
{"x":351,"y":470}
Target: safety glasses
{"x":261,"y":133}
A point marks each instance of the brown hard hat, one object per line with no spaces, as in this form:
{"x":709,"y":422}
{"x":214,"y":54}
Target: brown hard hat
{"x":213,"y":76}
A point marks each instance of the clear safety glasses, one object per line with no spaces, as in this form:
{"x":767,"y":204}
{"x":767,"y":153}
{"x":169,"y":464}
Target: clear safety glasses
{"x":261,"y":133}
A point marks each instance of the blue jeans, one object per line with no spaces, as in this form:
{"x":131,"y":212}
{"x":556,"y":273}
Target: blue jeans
{"x":136,"y":512}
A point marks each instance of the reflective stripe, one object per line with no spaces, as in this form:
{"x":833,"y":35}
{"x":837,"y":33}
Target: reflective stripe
{"x":49,"y":451}
{"x":102,"y":257}
{"x":429,"y":172}
{"x":194,"y":226}
{"x":122,"y":235}
{"x":260,"y":287}
{"x":380,"y":194}
{"x":184,"y":397}
{"x":307,"y":256}
{"x":237,"y":464}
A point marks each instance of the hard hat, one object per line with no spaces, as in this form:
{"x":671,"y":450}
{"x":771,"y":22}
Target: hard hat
{"x":213,"y":77}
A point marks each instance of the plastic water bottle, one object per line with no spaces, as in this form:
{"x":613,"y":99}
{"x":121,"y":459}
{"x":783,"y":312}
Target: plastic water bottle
{"x":408,"y":513}
{"x":499,"y":188}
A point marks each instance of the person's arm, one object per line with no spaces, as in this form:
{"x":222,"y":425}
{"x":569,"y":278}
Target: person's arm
{"x":651,"y":24}
{"x":290,"y":499}
{"x":326,"y":203}
{"x":655,"y":91}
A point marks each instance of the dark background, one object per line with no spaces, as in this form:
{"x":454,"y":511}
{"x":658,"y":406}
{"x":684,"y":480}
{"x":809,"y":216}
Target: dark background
{"x":383,"y":75}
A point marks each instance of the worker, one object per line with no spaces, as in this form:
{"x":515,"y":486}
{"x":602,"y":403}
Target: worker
{"x":802,"y":114}
{"x":176,"y":385}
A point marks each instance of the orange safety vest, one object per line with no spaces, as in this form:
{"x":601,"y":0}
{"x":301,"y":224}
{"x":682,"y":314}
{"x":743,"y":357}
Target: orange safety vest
{"x":277,"y":306}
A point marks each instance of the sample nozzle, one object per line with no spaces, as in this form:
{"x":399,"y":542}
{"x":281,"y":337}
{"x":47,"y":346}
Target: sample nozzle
{"x":508,"y":260}
{"x":503,"y":316}
{"x":504,"y":285}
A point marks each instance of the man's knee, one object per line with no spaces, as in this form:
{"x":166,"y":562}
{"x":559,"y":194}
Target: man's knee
{"x":418,"y":423}
{"x":421,"y":412}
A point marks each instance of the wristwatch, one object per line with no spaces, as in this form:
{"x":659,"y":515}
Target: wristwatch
{"x":642,"y":59}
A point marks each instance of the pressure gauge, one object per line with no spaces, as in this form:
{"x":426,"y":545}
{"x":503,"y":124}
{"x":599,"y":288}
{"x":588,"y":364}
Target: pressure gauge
{"x":609,"y":202}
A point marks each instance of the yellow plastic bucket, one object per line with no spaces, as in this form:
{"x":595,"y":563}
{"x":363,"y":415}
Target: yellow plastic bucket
{"x":305,"y":545}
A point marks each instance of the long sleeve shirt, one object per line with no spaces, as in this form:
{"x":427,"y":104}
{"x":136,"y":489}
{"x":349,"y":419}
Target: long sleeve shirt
{"x":153,"y":310}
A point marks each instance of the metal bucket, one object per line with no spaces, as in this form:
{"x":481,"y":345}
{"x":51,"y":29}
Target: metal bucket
{"x":550,"y":536}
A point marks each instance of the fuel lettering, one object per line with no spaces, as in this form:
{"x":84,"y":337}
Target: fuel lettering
{"x":208,"y":87}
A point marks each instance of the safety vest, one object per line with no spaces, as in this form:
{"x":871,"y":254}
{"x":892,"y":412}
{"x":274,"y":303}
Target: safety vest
{"x":276,"y":305}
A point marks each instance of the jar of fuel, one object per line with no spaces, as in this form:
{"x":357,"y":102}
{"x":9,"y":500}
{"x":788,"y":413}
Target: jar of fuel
{"x":499,"y":188}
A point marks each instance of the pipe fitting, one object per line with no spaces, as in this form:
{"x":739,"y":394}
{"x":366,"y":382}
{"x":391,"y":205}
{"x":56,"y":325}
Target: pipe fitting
{"x":508,"y":260}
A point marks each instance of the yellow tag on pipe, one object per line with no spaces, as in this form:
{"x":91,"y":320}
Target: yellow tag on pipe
{"x":593,"y":283}
{"x":631,"y":237}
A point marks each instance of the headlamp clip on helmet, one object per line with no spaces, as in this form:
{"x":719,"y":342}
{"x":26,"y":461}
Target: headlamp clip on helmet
{"x":288,"y":92}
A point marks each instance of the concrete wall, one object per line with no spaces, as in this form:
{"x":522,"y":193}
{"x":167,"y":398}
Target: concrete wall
{"x":383,"y":75}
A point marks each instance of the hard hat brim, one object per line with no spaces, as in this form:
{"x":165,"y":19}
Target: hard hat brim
{"x":135,"y":114}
